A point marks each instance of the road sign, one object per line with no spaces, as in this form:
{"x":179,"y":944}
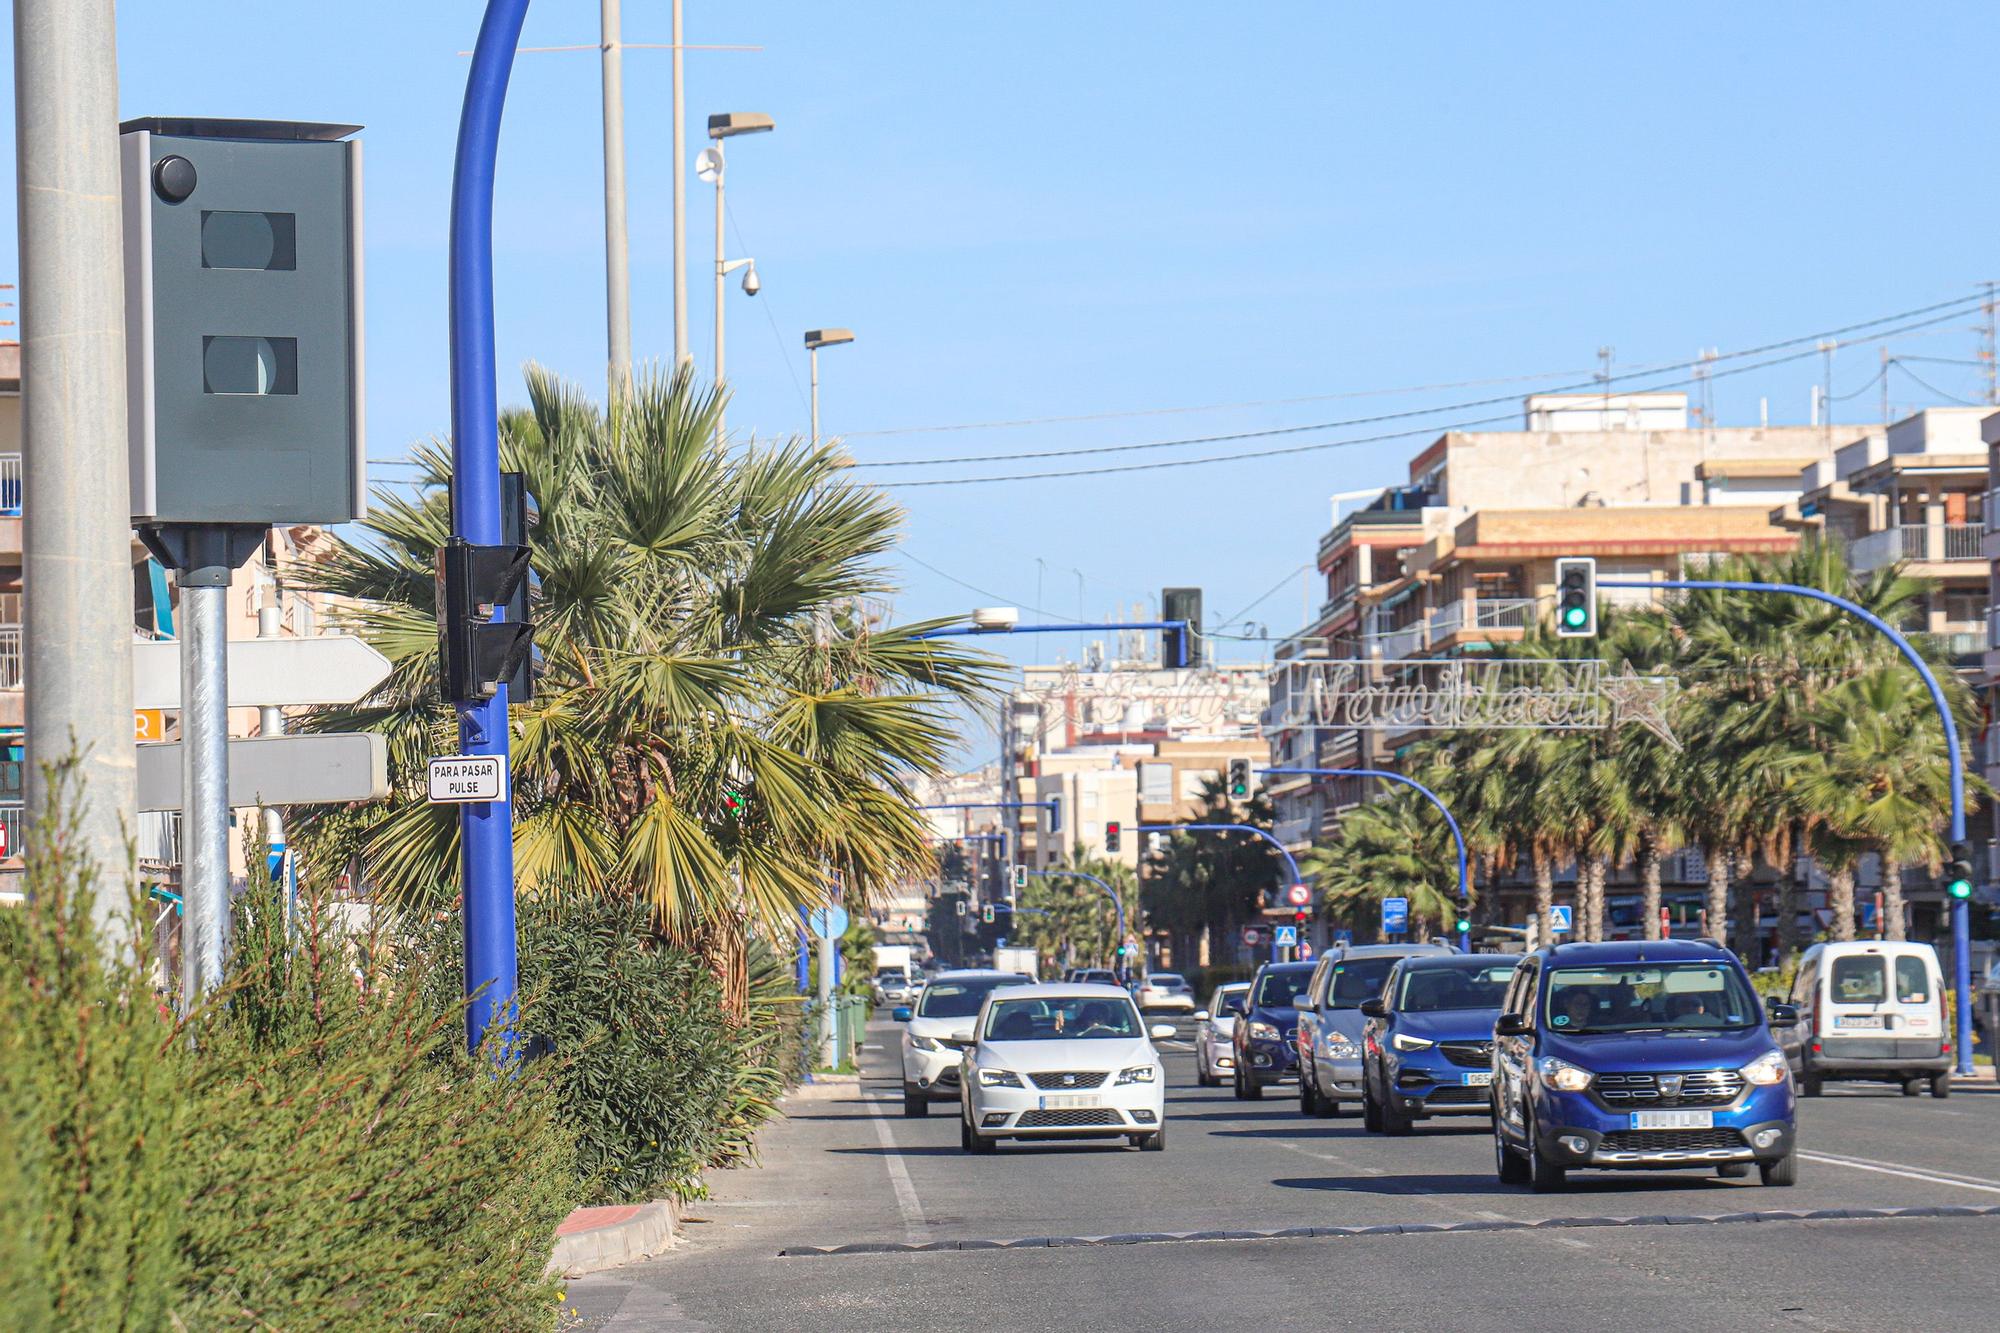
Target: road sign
{"x":329,"y":769}
{"x":1287,"y":937}
{"x":829,"y":923}
{"x":330,"y":669}
{"x":1395,"y":915}
{"x":466,"y":779}
{"x":1343,"y":938}
{"x":1299,"y":896}
{"x":5,"y":850}
{"x":1559,"y":920}
{"x":1253,"y":935}
{"x":149,"y":724}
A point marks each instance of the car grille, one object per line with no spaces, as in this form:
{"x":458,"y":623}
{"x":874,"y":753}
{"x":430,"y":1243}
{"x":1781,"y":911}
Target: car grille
{"x":1069,"y":1078}
{"x":948,"y":1076}
{"x":1671,"y":1140}
{"x":1075,"y":1118}
{"x":1449,"y":1096}
{"x":1469,"y":1054}
{"x":1700,"y":1087}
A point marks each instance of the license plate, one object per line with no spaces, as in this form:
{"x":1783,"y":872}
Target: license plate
{"x":1479,"y":1080}
{"x":1673,"y":1120}
{"x":1072,"y":1102}
{"x":1857,"y":1020}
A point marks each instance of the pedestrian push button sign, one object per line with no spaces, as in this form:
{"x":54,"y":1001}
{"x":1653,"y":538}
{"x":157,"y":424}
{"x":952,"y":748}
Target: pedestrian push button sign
{"x":463,"y":779}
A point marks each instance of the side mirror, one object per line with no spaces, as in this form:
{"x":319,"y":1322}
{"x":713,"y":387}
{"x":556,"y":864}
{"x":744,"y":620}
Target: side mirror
{"x":1783,"y":1015}
{"x":1161,"y":1031}
{"x":1374,"y":1009}
{"x":1307,"y":1005}
{"x":901,"y":1013}
{"x":1511,"y":1025}
{"x":1201,"y":1015}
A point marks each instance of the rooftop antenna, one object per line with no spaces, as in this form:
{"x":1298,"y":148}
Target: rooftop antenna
{"x":1603,"y":377}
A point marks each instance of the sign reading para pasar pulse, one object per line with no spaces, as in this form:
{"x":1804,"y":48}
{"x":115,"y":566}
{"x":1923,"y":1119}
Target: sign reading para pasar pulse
{"x":462,"y":779}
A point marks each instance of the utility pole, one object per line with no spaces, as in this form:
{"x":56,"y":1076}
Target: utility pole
{"x":1827,"y":347}
{"x":1885,"y":386}
{"x":617,"y":258}
{"x":77,"y":532}
{"x":1989,"y":354}
{"x":683,"y":350}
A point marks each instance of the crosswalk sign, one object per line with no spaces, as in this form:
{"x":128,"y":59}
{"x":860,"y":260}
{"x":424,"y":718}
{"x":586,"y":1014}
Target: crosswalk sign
{"x":1288,"y":937}
{"x":1559,"y":920}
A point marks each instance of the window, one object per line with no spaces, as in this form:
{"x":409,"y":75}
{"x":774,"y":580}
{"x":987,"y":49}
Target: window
{"x":1078,"y":1018}
{"x":1426,"y":990}
{"x":1156,"y":784}
{"x":252,"y":366}
{"x":1357,"y":979}
{"x":1281,"y":990}
{"x":1648,"y":997}
{"x":249,"y":240}
{"x":1913,"y":981}
{"x":1859,"y":979}
{"x":961,"y":999}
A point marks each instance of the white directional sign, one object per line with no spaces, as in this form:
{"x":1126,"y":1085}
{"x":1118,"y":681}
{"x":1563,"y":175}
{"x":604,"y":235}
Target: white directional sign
{"x":331,"y":669}
{"x":1287,"y":936}
{"x":278,"y":770}
{"x":466,"y":778}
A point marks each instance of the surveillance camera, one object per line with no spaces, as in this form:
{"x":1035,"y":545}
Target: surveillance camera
{"x":751,"y":285}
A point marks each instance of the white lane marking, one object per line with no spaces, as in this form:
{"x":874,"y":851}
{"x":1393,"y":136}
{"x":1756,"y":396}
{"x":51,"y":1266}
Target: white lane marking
{"x":1894,"y":1169}
{"x":899,"y":1179}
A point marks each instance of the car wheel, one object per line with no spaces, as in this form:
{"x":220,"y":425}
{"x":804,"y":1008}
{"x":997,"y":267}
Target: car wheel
{"x":916,"y":1102}
{"x":1155,"y":1141}
{"x":1394,"y":1121}
{"x":1733,"y":1170}
{"x":1371,"y":1114}
{"x":1253,"y":1091}
{"x":1544,"y":1177}
{"x":1306,"y":1099}
{"x":1784,"y":1171}
{"x":1236,"y":1083}
{"x":965,"y":1134}
{"x":1913,"y":1087}
{"x":1941,"y":1085}
{"x":1507,"y":1164}
{"x":1811,"y":1085}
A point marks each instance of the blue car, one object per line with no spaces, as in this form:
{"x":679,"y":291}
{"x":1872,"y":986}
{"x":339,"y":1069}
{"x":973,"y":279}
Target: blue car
{"x":1264,"y":1036}
{"x":1639,"y":1056}
{"x":1427,"y":1040}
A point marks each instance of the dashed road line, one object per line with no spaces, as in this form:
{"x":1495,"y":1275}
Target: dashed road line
{"x":1927,"y":1175}
{"x":907,"y":1202}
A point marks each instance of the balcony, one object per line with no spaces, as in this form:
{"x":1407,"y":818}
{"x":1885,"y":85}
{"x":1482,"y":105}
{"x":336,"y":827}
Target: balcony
{"x":1396,"y":644}
{"x":14,"y":819}
{"x":1488,"y":614}
{"x":10,"y":485}
{"x":1919,"y":544}
{"x":10,"y":657}
{"x":1957,"y":645}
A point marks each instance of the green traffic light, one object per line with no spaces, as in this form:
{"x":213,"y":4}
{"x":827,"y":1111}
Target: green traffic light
{"x":1463,"y":925}
{"x":1575,"y":616}
{"x":1959,"y":888}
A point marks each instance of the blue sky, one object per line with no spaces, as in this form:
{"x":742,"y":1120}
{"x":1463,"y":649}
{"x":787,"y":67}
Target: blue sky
{"x":1032,"y":210}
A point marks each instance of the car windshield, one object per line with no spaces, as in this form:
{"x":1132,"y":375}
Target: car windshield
{"x":1068,"y":1018}
{"x":1357,"y":979}
{"x":1649,"y":997}
{"x":1281,"y":990}
{"x":1165,"y":979}
{"x":1428,"y":990}
{"x":961,"y":999}
{"x":1226,"y":1002}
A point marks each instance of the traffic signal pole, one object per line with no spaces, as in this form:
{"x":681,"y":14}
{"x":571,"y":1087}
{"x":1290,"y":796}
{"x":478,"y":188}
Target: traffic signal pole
{"x":1118,"y":955}
{"x":1284,"y":851}
{"x":486,"y":829}
{"x":1464,"y":885}
{"x":1961,"y":914}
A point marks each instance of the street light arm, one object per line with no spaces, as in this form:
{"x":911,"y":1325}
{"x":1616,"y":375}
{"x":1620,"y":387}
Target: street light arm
{"x":1283,"y":850}
{"x":1117,"y":904}
{"x":1457,"y":837}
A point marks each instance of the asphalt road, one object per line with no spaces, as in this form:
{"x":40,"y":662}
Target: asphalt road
{"x":852,"y":1170}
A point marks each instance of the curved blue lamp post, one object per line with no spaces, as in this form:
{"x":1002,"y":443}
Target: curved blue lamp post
{"x":1117,"y":966}
{"x":1961,"y":916}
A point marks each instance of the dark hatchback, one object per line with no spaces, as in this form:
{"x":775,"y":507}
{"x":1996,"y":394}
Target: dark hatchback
{"x":1427,"y":1044}
{"x":1265,"y":1036}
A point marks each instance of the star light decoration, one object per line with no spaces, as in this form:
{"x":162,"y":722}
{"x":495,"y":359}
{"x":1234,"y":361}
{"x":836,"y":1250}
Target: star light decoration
{"x":1641,"y":700}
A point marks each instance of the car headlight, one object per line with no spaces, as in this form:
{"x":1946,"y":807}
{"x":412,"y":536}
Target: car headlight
{"x":1340,"y":1048}
{"x":1407,"y":1043}
{"x":923,"y":1043}
{"x":1562,"y":1075}
{"x":1263,"y":1032}
{"x":1138,"y":1074}
{"x":1766,"y":1069}
{"x":999,"y":1078}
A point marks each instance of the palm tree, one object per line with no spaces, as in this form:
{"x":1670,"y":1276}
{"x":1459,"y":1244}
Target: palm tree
{"x":1069,"y":917}
{"x":1211,"y":882}
{"x":715,"y":726}
{"x":1395,"y":847}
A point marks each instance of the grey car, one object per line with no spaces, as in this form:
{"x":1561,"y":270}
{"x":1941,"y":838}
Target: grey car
{"x":1215,"y":1033}
{"x":1330,"y":1020}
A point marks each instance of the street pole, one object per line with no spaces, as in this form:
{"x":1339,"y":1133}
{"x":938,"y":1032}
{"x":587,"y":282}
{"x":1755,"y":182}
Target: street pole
{"x":683,"y":350}
{"x":486,"y":829}
{"x":721,"y":272}
{"x":829,"y":1044}
{"x":77,"y":529}
{"x":1117,"y":958}
{"x":1961,"y":913}
{"x":271,"y":722}
{"x":812,"y":356}
{"x":617,"y":257}
{"x":1457,"y":837}
{"x":204,"y":617}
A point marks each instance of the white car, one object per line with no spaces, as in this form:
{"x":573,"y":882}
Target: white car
{"x":1165,"y":990}
{"x":1215,"y":1033}
{"x":939,"y":1031}
{"x":1063,"y":1062}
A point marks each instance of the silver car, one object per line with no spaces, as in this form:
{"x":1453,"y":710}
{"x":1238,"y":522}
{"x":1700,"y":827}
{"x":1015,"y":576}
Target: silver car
{"x":1164,"y":990}
{"x":1215,"y":1032}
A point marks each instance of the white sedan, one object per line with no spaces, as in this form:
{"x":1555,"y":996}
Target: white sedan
{"x":1062,"y":1062}
{"x":1166,"y":990}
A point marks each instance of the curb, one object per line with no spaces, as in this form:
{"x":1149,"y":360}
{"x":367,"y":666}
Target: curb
{"x":822,"y":1087}
{"x":593,"y":1239}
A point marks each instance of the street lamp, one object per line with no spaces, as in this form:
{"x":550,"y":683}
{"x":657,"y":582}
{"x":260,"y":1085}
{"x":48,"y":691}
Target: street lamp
{"x":816,"y":339}
{"x":709,"y":166}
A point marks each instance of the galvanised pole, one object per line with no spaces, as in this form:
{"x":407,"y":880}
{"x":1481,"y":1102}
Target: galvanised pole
{"x":1180,"y":627}
{"x":1464,"y":942}
{"x":1117,"y":958}
{"x":486,"y":830}
{"x":1961,"y":911}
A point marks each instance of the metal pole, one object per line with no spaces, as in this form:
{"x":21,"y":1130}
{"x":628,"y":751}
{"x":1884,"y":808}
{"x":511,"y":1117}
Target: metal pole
{"x":271,"y":722}
{"x":720,"y":168}
{"x":812,"y":355}
{"x":1283,"y":850}
{"x":77,"y":530}
{"x":683,"y":350}
{"x":829,"y":1046}
{"x":1961,"y":915}
{"x":204,"y":614}
{"x":617,"y":258}
{"x":1117,"y":966}
{"x":486,"y":831}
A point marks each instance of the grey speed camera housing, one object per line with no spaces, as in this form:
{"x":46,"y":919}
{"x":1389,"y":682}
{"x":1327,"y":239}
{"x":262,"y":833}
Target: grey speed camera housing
{"x":243,"y":321}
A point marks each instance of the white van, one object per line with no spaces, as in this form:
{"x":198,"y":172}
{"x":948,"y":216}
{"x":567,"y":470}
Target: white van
{"x":1870,"y":1010}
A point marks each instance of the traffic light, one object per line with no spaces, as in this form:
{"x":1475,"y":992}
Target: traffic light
{"x":1239,"y":779}
{"x":1020,"y":878}
{"x":1112,"y":837}
{"x":1054,"y":806}
{"x":1178,"y":647}
{"x":1958,"y":875}
{"x":1464,"y":925}
{"x":1576,"y":597}
{"x":475,"y":654}
{"x":986,"y":914}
